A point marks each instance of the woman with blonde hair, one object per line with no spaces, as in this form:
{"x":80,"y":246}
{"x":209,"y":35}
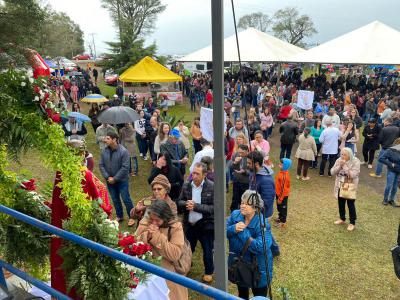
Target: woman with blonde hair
{"x":239,"y":140}
{"x":347,"y":171}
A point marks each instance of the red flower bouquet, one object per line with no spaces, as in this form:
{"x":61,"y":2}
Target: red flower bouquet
{"x":130,"y":246}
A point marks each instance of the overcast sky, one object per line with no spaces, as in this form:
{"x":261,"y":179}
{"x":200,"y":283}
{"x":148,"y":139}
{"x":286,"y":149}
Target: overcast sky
{"x":185,"y":25}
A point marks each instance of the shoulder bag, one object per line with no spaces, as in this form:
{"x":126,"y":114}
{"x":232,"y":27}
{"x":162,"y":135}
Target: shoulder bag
{"x":243,"y":273}
{"x":348,"y":189}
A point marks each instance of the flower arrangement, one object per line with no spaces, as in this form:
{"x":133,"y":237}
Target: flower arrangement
{"x":130,"y":246}
{"x":21,"y":244}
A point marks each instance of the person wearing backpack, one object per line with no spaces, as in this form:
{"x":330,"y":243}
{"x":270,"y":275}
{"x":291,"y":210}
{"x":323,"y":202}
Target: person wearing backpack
{"x":246,"y":262}
{"x":162,"y":230}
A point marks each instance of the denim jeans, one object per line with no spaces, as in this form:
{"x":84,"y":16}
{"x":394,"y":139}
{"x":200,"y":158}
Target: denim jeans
{"x":379,"y":166}
{"x":392,"y":180}
{"x":117,"y":191}
{"x":142,"y":144}
{"x":196,"y":233}
{"x":236,"y":114}
{"x":349,"y":145}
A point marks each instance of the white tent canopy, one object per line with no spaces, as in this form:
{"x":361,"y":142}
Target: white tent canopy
{"x":255,"y":46}
{"x":375,"y":43}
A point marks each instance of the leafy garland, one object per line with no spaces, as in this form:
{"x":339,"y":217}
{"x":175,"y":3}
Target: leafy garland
{"x":23,"y":245}
{"x":24,"y":124}
{"x":94,"y":275}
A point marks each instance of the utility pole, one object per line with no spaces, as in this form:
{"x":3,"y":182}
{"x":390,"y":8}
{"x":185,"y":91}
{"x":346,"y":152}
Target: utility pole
{"x":217,"y":24}
{"x":94,"y":45}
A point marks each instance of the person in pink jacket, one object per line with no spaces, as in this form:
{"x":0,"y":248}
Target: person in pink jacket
{"x":266,"y":122}
{"x":260,"y":144}
{"x":74,"y":92}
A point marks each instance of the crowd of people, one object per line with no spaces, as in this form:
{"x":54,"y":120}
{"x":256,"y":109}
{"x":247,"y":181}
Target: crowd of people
{"x":181,"y":202}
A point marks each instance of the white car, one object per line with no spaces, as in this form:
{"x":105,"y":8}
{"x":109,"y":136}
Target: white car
{"x":66,"y":63}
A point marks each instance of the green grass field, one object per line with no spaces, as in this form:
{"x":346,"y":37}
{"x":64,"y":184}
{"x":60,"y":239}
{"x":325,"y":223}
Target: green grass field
{"x":318,"y":259}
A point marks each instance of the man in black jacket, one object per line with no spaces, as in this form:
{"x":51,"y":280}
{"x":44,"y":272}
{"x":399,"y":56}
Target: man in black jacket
{"x":197,"y":202}
{"x":288,"y":130}
{"x":387,"y":136}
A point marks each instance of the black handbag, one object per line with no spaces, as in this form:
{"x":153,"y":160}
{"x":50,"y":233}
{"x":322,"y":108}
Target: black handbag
{"x":244,"y":273}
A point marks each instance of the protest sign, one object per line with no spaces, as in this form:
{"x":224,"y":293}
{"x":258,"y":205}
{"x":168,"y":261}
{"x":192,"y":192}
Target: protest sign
{"x":305,"y":99}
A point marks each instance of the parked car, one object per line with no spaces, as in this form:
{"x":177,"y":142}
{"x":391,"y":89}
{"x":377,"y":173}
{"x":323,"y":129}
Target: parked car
{"x":82,"y":57}
{"x":111,"y":78}
{"x":67,"y":64}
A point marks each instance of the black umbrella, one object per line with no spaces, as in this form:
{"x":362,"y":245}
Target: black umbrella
{"x":118,"y":115}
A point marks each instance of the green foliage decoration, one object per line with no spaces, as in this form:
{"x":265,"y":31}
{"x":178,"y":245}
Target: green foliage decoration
{"x":24,"y":125}
{"x":94,"y":275}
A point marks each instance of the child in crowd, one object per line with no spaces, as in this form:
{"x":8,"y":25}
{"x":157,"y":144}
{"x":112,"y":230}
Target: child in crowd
{"x":282,"y":189}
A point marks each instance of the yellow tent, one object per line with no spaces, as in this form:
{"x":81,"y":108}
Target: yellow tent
{"x":148,"y":70}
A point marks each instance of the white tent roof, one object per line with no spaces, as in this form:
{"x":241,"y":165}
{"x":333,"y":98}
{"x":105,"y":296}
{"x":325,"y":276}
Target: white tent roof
{"x":255,"y":46}
{"x":375,"y":43}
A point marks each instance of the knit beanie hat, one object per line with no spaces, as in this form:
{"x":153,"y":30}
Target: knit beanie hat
{"x":161,"y":180}
{"x":286,"y":164}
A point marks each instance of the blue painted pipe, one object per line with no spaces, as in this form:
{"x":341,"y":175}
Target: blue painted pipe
{"x":179,"y":279}
{"x":49,"y":290}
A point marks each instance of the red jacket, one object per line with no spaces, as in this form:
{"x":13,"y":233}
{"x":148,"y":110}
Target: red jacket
{"x":284,"y":113}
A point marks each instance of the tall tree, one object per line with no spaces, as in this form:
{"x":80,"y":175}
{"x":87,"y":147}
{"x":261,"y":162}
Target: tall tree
{"x":256,"y":20}
{"x":291,"y":26}
{"x":26,"y":24}
{"x":133,"y":18}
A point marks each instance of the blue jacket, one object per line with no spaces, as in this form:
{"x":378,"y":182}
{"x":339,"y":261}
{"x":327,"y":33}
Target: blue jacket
{"x":237,"y":240}
{"x":265,"y":186}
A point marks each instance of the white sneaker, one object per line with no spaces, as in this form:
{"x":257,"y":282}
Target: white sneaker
{"x":369,"y":166}
{"x":145,"y":158}
{"x":141,"y":155}
{"x":362,"y":163}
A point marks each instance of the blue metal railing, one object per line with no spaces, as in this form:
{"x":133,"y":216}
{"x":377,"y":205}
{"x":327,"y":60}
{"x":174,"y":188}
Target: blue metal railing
{"x":148,"y":267}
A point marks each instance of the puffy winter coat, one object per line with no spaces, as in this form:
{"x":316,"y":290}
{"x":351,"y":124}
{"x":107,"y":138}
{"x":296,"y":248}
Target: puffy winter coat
{"x":237,"y":241}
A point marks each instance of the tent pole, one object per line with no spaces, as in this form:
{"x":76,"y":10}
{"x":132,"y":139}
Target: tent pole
{"x":278,"y":75}
{"x":220,"y":260}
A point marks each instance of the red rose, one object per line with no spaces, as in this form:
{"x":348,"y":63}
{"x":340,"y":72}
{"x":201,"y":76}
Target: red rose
{"x":126,"y":251}
{"x":134,"y":250}
{"x":29,"y":185}
{"x":36,"y":89}
{"x":126,"y":241}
